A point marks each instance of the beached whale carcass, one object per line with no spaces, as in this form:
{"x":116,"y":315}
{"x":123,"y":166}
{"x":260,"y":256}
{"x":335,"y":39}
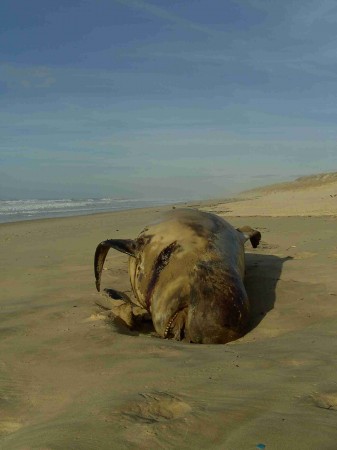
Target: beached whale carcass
{"x":187,"y":271}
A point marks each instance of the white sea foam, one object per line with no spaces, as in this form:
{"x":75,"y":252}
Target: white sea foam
{"x":17,"y":210}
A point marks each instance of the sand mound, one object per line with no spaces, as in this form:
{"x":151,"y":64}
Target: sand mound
{"x":304,"y":182}
{"x":314,"y":195}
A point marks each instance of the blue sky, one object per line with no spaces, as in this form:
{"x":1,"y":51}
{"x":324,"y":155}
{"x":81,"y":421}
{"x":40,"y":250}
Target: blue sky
{"x":164,"y":99}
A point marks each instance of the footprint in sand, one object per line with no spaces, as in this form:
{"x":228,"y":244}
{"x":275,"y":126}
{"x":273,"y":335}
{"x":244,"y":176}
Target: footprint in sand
{"x":157,"y":407}
{"x":326,"y":400}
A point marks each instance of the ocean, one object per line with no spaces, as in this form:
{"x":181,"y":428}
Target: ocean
{"x":18,"y":210}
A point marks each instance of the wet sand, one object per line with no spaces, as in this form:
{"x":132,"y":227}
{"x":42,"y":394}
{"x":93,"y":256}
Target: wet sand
{"x":71,"y":377}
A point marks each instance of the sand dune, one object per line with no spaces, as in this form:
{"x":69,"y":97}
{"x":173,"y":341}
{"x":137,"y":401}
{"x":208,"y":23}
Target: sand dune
{"x":308,"y":181}
{"x":307,"y":196}
{"x":71,"y":377}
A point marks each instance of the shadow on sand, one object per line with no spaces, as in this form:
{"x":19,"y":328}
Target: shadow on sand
{"x":262,"y":275}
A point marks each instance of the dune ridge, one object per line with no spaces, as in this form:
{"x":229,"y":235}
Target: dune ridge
{"x":303,"y":182}
{"x":314,"y":195}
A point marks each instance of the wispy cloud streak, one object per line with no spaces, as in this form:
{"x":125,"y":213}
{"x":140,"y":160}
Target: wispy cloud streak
{"x":167,"y":16}
{"x":27,"y":77}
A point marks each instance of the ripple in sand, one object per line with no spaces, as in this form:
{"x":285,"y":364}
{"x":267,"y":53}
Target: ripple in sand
{"x":7,"y":427}
{"x":326,"y":400}
{"x":157,"y":407}
{"x":304,"y":255}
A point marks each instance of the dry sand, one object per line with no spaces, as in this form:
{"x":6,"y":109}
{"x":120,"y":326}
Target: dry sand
{"x":71,"y":378}
{"x":306,"y":196}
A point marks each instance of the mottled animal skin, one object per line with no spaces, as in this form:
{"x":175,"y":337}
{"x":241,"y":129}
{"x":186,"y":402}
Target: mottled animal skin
{"x":187,"y":271}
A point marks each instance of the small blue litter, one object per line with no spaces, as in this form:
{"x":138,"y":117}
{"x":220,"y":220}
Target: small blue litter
{"x":260,"y":446}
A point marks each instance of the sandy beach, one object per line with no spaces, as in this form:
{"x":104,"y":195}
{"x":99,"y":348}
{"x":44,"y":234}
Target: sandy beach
{"x":71,"y":377}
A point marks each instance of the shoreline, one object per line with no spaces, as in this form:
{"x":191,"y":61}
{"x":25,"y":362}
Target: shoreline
{"x":26,"y":215}
{"x":184,"y":204}
{"x":73,"y":216}
{"x":308,"y":196}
